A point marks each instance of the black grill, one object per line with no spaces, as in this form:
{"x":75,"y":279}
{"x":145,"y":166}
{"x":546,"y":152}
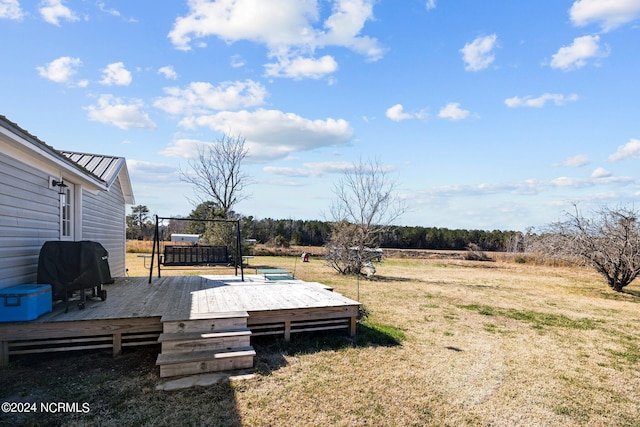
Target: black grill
{"x":74,"y":266}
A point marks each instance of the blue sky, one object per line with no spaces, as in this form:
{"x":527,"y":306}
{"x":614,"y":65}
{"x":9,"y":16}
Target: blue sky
{"x":489,"y":114}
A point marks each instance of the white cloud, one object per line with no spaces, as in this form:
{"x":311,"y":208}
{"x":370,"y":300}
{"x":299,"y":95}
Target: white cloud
{"x":630,"y":149}
{"x":60,"y":70}
{"x":202,"y":97}
{"x":265,"y":22}
{"x":116,"y":74}
{"x":599,"y":176}
{"x":574,"y":161}
{"x":153,"y":177}
{"x":168,"y":72}
{"x":344,"y":26}
{"x":183,"y":148}
{"x":237,"y":61}
{"x":272,"y":134}
{"x":530,"y":187}
{"x":298,"y":68}
{"x":290,"y":29}
{"x":137,"y":167}
{"x":525,"y":187}
{"x":10,"y":9}
{"x":110,"y":11}
{"x":600,"y":173}
{"x":576,"y":55}
{"x":310,"y":169}
{"x":431,"y":4}
{"x":478,"y":54}
{"x":452,"y":111}
{"x":397,"y":114}
{"x":610,"y":14}
{"x":114,"y":12}
{"x":52,"y":11}
{"x":540,"y":101}
{"x":113,"y":111}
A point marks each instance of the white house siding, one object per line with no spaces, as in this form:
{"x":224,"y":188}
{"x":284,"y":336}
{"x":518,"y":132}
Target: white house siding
{"x":103,"y":220}
{"x":29,"y":216}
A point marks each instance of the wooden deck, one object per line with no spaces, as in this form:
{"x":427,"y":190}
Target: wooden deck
{"x":134,"y":311}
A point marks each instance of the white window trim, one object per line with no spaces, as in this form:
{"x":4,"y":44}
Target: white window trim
{"x":65,"y":199}
{"x":76,"y":213}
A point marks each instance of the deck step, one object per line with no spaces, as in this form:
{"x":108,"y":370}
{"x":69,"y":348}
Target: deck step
{"x":201,"y":341}
{"x":235,"y":320}
{"x":198,"y":362}
{"x":173,"y":317}
{"x":204,"y":342}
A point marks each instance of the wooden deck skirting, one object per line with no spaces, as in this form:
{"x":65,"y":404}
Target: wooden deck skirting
{"x":44,"y":337}
{"x":286,"y":322}
{"x":131,"y":316}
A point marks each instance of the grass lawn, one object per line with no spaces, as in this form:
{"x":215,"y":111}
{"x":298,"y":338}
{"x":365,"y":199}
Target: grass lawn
{"x":446,"y":343}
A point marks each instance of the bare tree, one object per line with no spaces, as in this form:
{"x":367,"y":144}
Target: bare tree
{"x":365,"y":205}
{"x":217,"y":174}
{"x":342,"y":253}
{"x":609,"y":242}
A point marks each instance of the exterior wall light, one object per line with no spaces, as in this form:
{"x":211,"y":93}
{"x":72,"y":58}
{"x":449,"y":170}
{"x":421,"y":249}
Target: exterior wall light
{"x":62,"y":187}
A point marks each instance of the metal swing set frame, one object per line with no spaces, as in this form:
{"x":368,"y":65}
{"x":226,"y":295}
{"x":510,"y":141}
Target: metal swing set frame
{"x":195,"y":255}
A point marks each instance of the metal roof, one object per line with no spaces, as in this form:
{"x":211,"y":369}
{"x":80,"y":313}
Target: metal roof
{"x":104,"y":167}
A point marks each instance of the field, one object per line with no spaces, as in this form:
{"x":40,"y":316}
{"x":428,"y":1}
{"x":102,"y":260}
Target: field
{"x":447,"y":342}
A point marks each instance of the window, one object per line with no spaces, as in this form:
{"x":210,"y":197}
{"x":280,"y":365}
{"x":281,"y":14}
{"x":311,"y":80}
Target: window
{"x":66,"y":213}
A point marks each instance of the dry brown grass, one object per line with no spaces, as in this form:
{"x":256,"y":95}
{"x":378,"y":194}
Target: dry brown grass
{"x":496,"y":343}
{"x":488,"y":344}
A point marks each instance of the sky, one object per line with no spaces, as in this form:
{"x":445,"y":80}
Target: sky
{"x":486,"y":114}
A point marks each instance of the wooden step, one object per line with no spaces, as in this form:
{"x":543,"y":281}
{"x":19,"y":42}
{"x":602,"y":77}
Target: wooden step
{"x":198,"y":362}
{"x":208,"y":322}
{"x":172,"y":317}
{"x":198,"y":341}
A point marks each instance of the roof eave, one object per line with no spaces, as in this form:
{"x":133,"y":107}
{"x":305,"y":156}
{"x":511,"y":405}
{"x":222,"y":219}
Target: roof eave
{"x":125,"y":183}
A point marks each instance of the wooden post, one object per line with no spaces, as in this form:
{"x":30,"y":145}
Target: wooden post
{"x":4,"y":353}
{"x":287,"y":330}
{"x":117,"y":344}
{"x":352,"y":326}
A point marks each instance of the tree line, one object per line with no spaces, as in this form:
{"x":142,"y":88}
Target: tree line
{"x":286,"y":232}
{"x":319,"y":233}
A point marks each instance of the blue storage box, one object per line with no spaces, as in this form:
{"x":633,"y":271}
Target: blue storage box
{"x":24,"y":302}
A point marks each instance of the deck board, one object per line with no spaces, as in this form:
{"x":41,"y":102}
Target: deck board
{"x":133,"y":305}
{"x":161,"y":300}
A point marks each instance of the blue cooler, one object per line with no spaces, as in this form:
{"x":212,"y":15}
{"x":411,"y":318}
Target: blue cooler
{"x":24,"y":302}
